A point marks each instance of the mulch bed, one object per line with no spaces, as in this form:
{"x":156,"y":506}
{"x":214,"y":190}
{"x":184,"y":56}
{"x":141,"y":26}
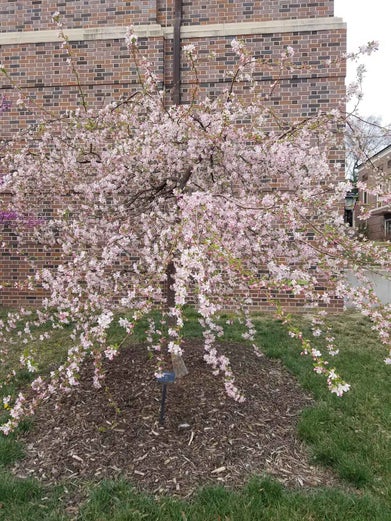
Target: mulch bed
{"x":207,"y":438}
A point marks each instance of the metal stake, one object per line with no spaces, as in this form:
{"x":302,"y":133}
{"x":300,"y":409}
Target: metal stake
{"x":165,"y":378}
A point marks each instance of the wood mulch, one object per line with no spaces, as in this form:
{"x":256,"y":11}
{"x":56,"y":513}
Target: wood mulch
{"x":207,"y":438}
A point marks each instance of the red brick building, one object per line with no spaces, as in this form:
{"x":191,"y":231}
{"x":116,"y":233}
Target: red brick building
{"x":375,"y":172}
{"x":31,"y":51}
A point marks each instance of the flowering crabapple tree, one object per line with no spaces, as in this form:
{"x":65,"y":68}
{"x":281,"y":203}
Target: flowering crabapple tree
{"x":155,"y":205}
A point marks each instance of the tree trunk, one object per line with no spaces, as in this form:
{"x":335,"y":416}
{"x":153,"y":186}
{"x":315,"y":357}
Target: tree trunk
{"x":178,"y":365}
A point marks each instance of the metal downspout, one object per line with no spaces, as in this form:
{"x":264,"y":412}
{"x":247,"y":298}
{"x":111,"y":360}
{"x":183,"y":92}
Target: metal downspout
{"x":176,"y":90}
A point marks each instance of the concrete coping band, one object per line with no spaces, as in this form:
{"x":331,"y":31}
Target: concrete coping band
{"x":187,"y":31}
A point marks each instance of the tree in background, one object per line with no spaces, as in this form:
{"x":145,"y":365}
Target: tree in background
{"x":364,"y":138}
{"x":147,"y":198}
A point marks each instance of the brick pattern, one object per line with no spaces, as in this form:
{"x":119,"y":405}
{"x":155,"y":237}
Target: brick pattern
{"x":201,"y":12}
{"x":105,"y":70}
{"x":16,"y":263}
{"x":36,"y":15}
{"x":106,"y":73}
{"x":33,"y":15}
{"x":16,"y":267}
{"x":298,"y":94}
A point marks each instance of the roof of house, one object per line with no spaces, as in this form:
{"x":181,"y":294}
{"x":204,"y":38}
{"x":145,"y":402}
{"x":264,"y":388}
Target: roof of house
{"x":383,"y":152}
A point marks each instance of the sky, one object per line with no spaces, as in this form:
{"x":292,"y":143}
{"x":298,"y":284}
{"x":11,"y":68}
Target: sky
{"x":367,"y":21}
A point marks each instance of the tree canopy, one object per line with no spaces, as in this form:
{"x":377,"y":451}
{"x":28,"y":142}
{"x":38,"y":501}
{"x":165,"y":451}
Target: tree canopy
{"x":153,"y":206}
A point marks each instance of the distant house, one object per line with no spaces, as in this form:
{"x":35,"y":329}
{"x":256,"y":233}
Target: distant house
{"x":376,"y":170}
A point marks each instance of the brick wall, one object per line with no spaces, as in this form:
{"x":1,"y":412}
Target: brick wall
{"x":31,"y":51}
{"x":104,"y":69}
{"x":36,"y":15}
{"x":227,"y":11}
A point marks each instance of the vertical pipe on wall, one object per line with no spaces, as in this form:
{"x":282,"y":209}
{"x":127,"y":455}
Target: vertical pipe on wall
{"x":176,"y":90}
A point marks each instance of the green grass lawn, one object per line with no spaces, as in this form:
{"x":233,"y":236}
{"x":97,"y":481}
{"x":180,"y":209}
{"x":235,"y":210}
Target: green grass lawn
{"x":351,"y":434}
